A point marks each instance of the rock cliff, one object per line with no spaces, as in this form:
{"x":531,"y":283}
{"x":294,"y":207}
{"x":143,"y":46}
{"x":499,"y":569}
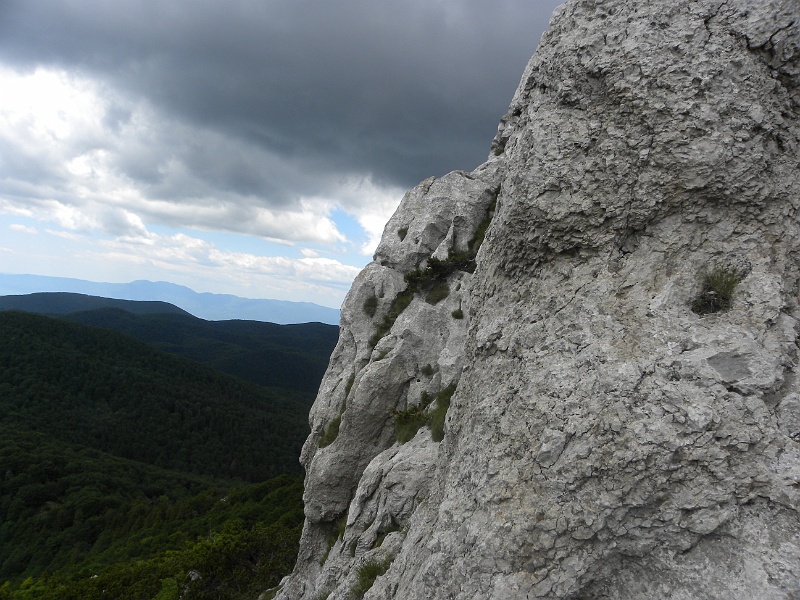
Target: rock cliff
{"x":615,"y":354}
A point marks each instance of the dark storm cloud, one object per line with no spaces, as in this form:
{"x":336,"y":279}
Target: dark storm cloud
{"x":395,"y":90}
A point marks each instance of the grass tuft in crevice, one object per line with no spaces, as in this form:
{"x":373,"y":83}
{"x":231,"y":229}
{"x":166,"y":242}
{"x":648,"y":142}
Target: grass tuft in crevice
{"x":410,"y":420}
{"x":399,"y":304}
{"x":370,"y":305}
{"x":331,"y":432}
{"x":716,"y":294}
{"x":368,"y":573}
{"x":437,"y":416}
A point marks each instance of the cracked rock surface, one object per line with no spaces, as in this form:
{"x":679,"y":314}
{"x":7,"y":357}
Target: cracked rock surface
{"x":604,"y":440}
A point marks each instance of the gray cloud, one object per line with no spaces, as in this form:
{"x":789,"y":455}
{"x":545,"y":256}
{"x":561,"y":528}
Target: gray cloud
{"x":394,"y":90}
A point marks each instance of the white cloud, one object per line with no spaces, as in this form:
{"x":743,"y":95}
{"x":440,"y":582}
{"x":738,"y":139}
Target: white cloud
{"x":105,"y":184}
{"x":316,"y":279}
{"x":48,"y":106}
{"x":114,"y":129}
{"x":69,"y":217}
{"x":75,"y":168}
{"x":67,"y":235}
{"x":22,"y":228}
{"x":369,"y":203}
{"x":372,"y":206}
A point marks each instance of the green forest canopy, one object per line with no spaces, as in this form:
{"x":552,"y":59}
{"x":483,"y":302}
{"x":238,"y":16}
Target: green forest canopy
{"x":107,"y":391}
{"x":125,"y":471}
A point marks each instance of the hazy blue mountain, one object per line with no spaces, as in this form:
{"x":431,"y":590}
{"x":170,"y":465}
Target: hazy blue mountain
{"x":214,"y":307}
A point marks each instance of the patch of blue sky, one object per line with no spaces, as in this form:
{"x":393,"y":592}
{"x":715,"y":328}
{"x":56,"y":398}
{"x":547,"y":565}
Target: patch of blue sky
{"x":351,"y":250}
{"x":30,"y":246}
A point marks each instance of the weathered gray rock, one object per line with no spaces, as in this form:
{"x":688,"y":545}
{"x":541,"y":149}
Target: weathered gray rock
{"x":604,"y":440}
{"x":382,"y":366}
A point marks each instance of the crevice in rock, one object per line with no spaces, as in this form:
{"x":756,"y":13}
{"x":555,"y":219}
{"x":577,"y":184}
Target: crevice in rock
{"x":707,"y":22}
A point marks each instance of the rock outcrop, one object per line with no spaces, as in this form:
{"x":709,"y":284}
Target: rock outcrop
{"x":620,"y":424}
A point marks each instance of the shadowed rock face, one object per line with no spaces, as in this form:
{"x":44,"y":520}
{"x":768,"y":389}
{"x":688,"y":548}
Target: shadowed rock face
{"x":604,"y":440}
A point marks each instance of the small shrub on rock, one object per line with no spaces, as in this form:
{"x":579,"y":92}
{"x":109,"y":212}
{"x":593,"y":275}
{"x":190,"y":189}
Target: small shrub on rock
{"x":407,"y":422}
{"x":399,"y":304}
{"x":437,"y":293}
{"x":717,"y":292}
{"x":439,"y":413}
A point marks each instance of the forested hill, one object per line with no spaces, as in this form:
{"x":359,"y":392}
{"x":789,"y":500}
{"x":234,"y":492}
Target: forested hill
{"x":125,"y":470}
{"x":79,"y":524}
{"x":292,"y":357}
{"x":204,"y":305}
{"x":62,"y":303}
{"x":105,"y":390}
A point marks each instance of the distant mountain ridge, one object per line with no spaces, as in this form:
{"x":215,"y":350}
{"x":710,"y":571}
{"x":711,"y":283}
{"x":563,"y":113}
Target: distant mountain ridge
{"x":291,"y":357}
{"x":64,"y":303}
{"x":205,"y":305}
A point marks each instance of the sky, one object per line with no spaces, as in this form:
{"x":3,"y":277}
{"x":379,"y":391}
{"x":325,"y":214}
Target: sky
{"x":249,"y":147}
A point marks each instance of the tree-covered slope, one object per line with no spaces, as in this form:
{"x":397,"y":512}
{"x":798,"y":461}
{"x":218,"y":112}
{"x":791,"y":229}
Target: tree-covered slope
{"x":125,"y":470}
{"x":62,"y":303}
{"x":292,"y":357}
{"x":79,"y":523}
{"x":58,"y":501}
{"x":104,"y":390}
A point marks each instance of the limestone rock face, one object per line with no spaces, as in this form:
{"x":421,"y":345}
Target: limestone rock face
{"x":396,"y":348}
{"x":604,"y":439}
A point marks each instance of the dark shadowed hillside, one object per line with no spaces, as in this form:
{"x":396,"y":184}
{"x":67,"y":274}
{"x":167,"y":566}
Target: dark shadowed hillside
{"x":292,"y":357}
{"x":77,"y":523}
{"x":62,"y":303}
{"x":123,"y":468}
{"x":102,"y":389}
